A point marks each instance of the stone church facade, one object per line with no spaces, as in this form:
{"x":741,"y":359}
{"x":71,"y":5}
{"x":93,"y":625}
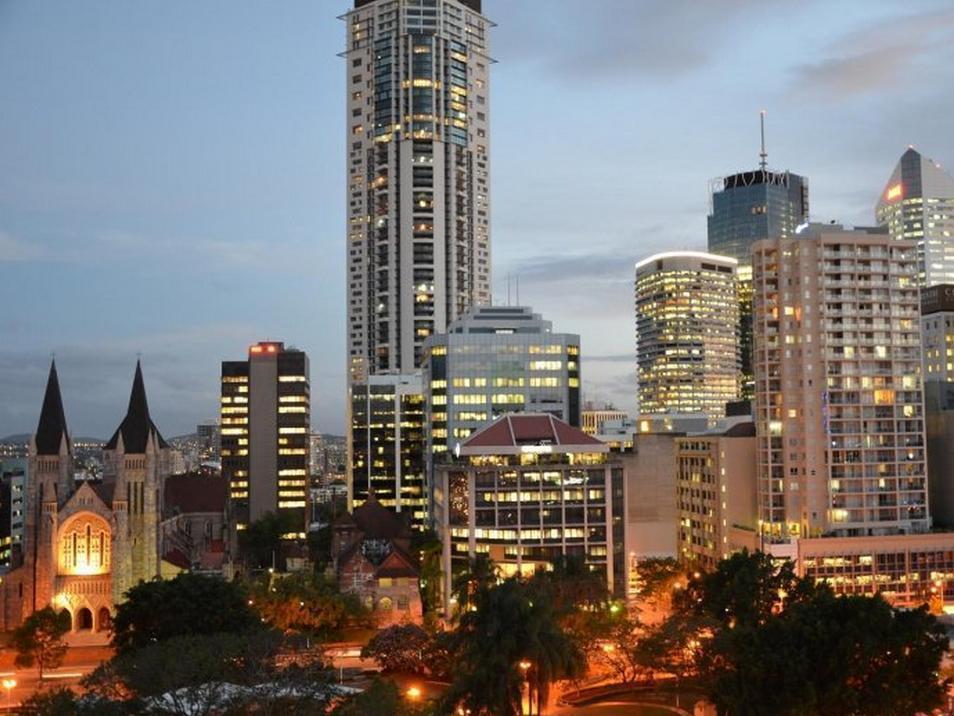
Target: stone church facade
{"x":85,"y":544}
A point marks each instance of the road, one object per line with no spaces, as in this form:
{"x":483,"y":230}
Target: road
{"x":78,"y":662}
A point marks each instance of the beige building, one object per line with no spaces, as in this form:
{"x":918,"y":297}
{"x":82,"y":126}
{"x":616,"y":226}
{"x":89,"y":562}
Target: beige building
{"x":716,"y":493}
{"x":687,"y":327}
{"x":839,"y":410}
{"x":592,"y":420}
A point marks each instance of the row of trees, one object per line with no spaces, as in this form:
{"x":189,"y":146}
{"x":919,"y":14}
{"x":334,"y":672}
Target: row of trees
{"x":198,"y":645}
{"x":751,"y":635}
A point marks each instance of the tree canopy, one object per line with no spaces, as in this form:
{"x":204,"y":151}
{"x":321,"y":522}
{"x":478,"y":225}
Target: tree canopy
{"x":39,"y":640}
{"x":188,"y":604}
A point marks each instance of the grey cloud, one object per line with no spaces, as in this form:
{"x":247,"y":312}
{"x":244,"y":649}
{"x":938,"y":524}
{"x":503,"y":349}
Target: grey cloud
{"x":881,"y":57}
{"x":620,"y":38}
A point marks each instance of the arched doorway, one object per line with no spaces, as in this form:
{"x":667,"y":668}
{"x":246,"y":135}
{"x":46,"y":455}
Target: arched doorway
{"x":84,"y":620}
{"x":105,"y":620}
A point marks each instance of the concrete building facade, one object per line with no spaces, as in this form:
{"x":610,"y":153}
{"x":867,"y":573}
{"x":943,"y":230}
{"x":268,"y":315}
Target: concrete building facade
{"x":839,"y":408}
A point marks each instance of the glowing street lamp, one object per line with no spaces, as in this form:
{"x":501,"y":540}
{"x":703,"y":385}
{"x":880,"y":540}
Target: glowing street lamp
{"x":9,"y":685}
{"x":414,"y":693}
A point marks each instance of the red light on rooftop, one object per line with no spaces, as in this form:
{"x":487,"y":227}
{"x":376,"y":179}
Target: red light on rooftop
{"x":271,"y":349}
{"x":255,"y":349}
{"x":894,"y":192}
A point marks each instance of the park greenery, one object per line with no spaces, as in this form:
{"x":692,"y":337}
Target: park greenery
{"x":39,"y":641}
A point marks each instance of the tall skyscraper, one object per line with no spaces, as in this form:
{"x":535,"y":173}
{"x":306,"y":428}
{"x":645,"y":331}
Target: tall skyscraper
{"x":418,"y":175}
{"x":493,"y":361}
{"x":266,"y":422}
{"x":744,"y":208}
{"x":387,"y":438}
{"x":687,"y":322}
{"x":839,"y":410}
{"x":918,"y":204}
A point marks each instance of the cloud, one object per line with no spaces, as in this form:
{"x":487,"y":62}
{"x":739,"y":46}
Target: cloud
{"x":613,"y":39}
{"x":14,"y":249}
{"x":883,"y":56}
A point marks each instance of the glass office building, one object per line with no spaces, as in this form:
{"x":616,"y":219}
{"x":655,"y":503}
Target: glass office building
{"x":745,"y":208}
{"x":498,"y":360}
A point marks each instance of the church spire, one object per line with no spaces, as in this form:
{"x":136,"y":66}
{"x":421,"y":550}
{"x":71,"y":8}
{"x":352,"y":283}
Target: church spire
{"x":51,"y":430}
{"x":137,"y":426}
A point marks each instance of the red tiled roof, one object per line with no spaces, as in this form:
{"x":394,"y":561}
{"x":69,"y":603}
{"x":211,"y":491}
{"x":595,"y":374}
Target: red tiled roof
{"x":378,"y":522}
{"x":396,"y":564}
{"x":517,"y":429}
{"x":192,"y":493}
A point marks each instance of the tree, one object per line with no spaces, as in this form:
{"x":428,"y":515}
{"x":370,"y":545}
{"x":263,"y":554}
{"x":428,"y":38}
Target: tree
{"x":382,"y":698}
{"x":765,"y":641}
{"x":189,"y":604}
{"x":399,"y":648}
{"x":306,"y":603}
{"x":39,"y":640}
{"x":206,"y":673}
{"x":260,"y":544}
{"x":468,"y":584}
{"x":510,"y":623}
{"x":428,"y":549}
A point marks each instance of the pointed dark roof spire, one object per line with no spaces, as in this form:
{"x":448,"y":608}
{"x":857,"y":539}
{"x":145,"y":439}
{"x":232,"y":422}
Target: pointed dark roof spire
{"x":52,"y":426}
{"x":137,"y":424}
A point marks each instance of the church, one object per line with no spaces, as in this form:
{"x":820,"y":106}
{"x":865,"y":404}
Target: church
{"x":85,"y":544}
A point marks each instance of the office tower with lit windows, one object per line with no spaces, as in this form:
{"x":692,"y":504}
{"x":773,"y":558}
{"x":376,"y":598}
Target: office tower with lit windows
{"x":838,"y":400}
{"x":744,"y":208}
{"x":687,"y":322}
{"x":917,"y":204}
{"x":493,"y":361}
{"x":418,"y":175}
{"x":266,"y":422}
{"x":388,"y":445}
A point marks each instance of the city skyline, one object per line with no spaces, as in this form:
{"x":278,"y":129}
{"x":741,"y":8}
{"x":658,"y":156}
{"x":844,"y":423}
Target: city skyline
{"x":148,"y":228}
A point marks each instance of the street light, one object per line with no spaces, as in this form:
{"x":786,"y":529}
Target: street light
{"x":9,"y":685}
{"x":414,"y":693}
{"x":525,"y":668}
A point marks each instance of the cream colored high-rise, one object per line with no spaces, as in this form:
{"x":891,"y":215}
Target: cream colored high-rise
{"x":418,"y":174}
{"x":687,"y":326}
{"x":839,"y":410}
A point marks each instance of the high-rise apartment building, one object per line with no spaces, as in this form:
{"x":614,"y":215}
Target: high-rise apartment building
{"x":418,"y":175}
{"x":744,"y":208}
{"x":493,"y":361}
{"x":266,"y":422}
{"x":839,"y":411}
{"x":917,"y":204}
{"x":388,"y":444}
{"x":687,"y":322}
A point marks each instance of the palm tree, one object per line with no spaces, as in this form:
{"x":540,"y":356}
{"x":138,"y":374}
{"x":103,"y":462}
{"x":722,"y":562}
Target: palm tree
{"x":512,"y":622}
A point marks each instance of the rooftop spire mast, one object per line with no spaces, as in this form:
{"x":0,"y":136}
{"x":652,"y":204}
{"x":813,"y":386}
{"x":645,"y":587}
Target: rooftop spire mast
{"x":763,"y":155}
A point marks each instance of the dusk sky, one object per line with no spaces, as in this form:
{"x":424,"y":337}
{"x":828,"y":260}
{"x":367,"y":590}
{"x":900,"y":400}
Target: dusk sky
{"x":172,"y":173}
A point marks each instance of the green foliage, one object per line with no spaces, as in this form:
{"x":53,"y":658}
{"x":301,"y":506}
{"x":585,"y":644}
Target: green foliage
{"x":189,"y":604}
{"x":764,"y":641}
{"x":39,"y":640}
{"x":199,"y":673}
{"x":403,"y":647}
{"x":306,"y":603}
{"x":510,"y":623}
{"x":260,"y":544}
{"x":428,"y":549}
{"x":468,"y":584}
{"x":655,"y":576}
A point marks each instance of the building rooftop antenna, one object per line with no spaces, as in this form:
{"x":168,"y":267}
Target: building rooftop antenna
{"x":763,"y":155}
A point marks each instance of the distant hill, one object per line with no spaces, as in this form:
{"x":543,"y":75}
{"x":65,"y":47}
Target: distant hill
{"x":24,"y":438}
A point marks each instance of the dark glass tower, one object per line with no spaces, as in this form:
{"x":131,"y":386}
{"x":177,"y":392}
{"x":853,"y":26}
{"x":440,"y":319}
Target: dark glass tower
{"x":744,"y":208}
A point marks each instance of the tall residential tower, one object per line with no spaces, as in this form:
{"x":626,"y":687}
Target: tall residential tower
{"x":418,"y":175}
{"x":839,"y":409}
